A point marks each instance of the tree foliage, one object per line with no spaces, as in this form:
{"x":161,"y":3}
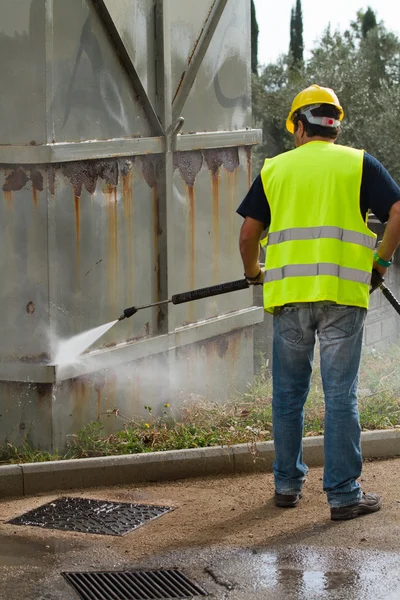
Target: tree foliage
{"x":365,"y":74}
{"x":254,"y":39}
{"x":368,"y":22}
{"x":296,"y":46}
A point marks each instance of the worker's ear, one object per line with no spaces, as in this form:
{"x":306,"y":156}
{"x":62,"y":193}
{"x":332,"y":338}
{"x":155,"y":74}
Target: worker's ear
{"x":299,"y":128}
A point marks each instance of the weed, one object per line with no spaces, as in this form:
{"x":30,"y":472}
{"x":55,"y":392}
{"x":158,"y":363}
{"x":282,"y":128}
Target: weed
{"x":247,"y":418}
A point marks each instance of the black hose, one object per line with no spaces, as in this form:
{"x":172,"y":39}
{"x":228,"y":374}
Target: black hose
{"x":390,"y":298}
{"x":213,"y":290}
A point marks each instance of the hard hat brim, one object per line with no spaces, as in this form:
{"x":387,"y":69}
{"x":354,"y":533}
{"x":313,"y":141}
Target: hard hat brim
{"x":290,"y":124}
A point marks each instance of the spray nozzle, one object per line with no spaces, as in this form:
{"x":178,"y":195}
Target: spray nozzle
{"x":128,"y":312}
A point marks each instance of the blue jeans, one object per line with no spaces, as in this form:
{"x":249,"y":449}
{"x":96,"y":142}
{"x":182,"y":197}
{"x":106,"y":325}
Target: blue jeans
{"x":340,"y":332}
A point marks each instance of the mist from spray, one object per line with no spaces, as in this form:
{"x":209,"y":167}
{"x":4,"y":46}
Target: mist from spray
{"x":68,"y":351}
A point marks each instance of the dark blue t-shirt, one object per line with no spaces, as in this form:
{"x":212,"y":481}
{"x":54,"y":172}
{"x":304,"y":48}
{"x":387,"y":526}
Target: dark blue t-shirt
{"x":378,"y":194}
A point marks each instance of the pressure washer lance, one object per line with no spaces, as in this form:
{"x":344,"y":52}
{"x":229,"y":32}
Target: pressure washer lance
{"x":377,"y":281}
{"x":207,"y":292}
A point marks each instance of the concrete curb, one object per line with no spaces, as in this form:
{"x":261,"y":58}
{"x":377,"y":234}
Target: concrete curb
{"x":34,"y":478}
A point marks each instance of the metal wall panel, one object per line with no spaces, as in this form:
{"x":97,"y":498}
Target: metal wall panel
{"x":92,"y":96}
{"x":223,"y":84}
{"x":22,"y":73}
{"x":83,"y":239}
{"x":104,"y":247}
{"x":23,"y":264}
{"x":211,"y":369}
{"x":208,"y":187}
{"x":134,"y":20}
{"x":26,"y":413}
{"x":126,"y":388}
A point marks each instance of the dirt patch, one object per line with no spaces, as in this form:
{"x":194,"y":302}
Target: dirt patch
{"x":235,"y":511}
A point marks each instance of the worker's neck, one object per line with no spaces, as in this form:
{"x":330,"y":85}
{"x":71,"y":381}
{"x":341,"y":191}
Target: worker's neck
{"x":316,"y":138}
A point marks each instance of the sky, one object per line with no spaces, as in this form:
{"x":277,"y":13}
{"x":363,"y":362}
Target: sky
{"x":273,"y":17}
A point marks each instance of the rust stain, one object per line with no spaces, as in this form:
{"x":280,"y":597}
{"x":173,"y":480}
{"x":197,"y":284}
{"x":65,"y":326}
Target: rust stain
{"x":98,"y":384}
{"x":179,"y":84}
{"x":150,"y":165}
{"x":37,"y":185}
{"x":215,"y":226}
{"x":16,"y":180}
{"x":8,"y":197}
{"x":37,"y":179}
{"x":77,"y":233}
{"x":110,"y":391}
{"x":34,"y":198}
{"x":112,"y":204}
{"x":30,"y":308}
{"x":232,"y":179}
{"x":189,"y":165}
{"x":51,"y":179}
{"x":127,"y":199}
{"x":85,"y":173}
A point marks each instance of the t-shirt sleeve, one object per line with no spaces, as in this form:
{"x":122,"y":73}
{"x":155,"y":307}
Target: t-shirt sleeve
{"x":379,"y":191}
{"x":255,"y":204}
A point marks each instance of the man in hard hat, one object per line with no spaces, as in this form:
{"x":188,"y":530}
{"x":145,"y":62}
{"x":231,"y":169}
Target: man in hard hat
{"x":314,"y":200}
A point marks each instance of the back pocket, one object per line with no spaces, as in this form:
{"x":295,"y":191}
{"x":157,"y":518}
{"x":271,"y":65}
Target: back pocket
{"x":289,"y":324}
{"x":340,"y":321}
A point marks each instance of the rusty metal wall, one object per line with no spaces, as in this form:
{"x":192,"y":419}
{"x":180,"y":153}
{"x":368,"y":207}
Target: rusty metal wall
{"x":107,"y":203}
{"x":105,"y":247}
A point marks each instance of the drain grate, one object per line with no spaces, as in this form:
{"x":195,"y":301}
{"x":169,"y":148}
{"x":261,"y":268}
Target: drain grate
{"x":91,"y":516}
{"x":134,"y":585}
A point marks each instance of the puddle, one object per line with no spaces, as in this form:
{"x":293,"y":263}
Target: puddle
{"x":292,"y":573}
{"x":322,"y":573}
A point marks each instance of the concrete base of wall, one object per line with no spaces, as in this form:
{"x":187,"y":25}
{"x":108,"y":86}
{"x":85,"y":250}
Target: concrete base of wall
{"x":34,"y":478}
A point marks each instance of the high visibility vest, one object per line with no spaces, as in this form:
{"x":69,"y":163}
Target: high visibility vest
{"x":318,"y":245}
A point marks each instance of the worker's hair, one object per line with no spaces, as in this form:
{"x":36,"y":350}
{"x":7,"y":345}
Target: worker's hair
{"x":324,"y":110}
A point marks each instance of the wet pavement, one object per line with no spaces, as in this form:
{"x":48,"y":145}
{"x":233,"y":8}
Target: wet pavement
{"x":225,"y":535}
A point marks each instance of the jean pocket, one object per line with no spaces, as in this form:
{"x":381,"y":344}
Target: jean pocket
{"x":340,"y":321}
{"x":289,"y":324}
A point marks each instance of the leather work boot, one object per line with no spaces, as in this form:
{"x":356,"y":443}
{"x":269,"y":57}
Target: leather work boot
{"x":368,"y":503}
{"x":287,"y":500}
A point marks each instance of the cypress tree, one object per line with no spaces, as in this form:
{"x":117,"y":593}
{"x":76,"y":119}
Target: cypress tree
{"x":254,"y":39}
{"x":368,"y":22}
{"x":296,"y":47}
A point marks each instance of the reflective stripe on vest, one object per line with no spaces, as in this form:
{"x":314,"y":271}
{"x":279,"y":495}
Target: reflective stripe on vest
{"x":317,"y":269}
{"x":313,"y":233}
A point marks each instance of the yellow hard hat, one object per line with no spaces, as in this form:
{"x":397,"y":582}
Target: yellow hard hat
{"x":313,"y":95}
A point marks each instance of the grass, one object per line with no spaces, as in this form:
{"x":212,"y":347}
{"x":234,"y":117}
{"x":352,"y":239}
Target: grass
{"x":246,"y":419}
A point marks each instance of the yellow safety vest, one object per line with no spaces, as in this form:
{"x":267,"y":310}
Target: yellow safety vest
{"x":318,"y":246}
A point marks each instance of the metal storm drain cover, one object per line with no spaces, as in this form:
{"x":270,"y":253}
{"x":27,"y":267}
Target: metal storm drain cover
{"x":134,"y":585}
{"x":91,"y":516}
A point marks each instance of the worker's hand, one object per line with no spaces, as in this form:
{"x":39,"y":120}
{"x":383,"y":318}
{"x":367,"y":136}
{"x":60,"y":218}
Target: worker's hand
{"x":381,"y":270}
{"x":259,"y":280}
{"x":376,"y":280}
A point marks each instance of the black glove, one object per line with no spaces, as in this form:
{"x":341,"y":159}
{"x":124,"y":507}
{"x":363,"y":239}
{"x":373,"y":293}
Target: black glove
{"x":376,"y":280}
